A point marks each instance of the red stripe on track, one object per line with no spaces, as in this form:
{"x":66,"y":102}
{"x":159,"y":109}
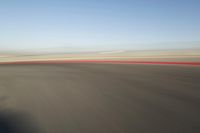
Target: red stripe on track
{"x":104,"y":61}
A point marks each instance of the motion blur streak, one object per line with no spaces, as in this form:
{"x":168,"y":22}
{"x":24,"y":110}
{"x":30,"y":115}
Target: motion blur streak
{"x":103,"y":62}
{"x":102,"y":98}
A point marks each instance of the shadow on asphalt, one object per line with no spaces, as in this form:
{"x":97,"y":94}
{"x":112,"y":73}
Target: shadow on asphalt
{"x":17,"y":122}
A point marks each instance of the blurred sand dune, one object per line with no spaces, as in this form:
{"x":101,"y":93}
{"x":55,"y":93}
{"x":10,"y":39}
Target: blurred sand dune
{"x":143,"y":55}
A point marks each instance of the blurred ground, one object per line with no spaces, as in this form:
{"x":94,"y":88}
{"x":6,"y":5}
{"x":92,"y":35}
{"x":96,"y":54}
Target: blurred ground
{"x":97,"y":98}
{"x":154,"y":55}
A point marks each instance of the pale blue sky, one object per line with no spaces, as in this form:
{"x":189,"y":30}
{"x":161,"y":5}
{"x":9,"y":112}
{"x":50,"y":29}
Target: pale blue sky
{"x":99,"y":24}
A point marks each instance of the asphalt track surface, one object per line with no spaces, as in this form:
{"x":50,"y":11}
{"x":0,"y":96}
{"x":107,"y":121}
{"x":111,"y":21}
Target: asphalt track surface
{"x":99,"y":98}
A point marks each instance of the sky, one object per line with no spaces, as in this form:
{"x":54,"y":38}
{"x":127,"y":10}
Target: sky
{"x":99,"y":24}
